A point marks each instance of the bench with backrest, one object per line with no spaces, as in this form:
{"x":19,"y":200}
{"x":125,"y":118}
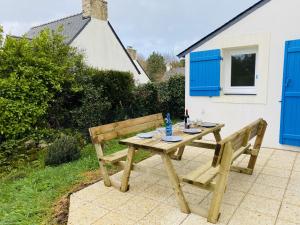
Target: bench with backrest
{"x":213,"y":176}
{"x":107,"y":132}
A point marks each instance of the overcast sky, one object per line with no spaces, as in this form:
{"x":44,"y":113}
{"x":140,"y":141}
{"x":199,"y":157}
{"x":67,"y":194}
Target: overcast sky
{"x":166,"y":26}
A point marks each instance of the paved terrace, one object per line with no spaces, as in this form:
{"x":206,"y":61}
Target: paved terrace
{"x":270,"y":196}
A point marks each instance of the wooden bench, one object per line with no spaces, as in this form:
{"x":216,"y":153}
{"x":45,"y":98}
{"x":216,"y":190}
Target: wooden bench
{"x":213,"y":176}
{"x":107,"y":132}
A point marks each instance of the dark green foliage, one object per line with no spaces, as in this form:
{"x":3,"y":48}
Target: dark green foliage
{"x":32,"y":73}
{"x":156,"y":66}
{"x":106,"y":97}
{"x":163,"y":97}
{"x":63,"y":150}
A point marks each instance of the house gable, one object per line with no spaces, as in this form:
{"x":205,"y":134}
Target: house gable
{"x":224,"y":27}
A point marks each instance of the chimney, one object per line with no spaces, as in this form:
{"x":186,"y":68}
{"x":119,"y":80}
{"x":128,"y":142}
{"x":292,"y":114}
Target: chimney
{"x":132,"y":52}
{"x":95,"y":8}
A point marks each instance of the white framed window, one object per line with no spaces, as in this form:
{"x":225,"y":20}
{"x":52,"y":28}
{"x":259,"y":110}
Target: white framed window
{"x":240,"y":67}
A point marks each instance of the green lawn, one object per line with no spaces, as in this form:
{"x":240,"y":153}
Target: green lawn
{"x":28,"y":195}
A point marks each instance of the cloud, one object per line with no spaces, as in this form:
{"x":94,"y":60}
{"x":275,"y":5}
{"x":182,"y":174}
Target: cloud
{"x":148,"y":25}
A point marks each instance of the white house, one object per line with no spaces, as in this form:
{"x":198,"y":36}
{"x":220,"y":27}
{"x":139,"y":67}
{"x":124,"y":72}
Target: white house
{"x":92,"y":33}
{"x":250,"y":68}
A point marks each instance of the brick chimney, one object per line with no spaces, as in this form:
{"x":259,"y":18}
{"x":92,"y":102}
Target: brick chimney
{"x":95,"y":8}
{"x":132,"y":52}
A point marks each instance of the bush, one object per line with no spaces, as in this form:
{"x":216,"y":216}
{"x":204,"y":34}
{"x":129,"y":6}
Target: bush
{"x":32,"y":73}
{"x":63,"y":150}
{"x":106,"y":97}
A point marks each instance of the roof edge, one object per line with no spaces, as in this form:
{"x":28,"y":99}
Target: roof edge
{"x":54,"y":21}
{"x":224,"y":27}
{"x":79,"y":31}
{"x":120,"y":42}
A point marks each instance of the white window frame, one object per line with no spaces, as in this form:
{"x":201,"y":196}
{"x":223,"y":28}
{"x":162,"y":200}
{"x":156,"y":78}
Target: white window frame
{"x":235,"y":90}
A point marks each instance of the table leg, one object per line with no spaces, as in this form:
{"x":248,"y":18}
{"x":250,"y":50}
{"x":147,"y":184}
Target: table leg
{"x":127,"y":170}
{"x":175,"y":184}
{"x":179,"y":153}
{"x":217,"y":135}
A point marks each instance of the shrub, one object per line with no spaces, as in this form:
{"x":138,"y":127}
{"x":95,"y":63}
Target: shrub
{"x":32,"y":72}
{"x":63,"y":150}
{"x":106,"y":97}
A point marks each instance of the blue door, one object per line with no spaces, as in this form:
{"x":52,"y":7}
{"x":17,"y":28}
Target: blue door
{"x":290,"y":108}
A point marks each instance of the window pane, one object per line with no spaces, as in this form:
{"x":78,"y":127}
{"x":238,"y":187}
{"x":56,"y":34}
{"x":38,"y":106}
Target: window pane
{"x":243,"y":70}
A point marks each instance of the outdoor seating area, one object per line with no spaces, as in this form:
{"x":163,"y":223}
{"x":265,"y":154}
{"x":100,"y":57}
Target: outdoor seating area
{"x":269,"y":196}
{"x":191,"y":181}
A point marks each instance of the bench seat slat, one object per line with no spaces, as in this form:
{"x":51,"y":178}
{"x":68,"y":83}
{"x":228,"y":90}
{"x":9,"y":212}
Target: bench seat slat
{"x":115,"y":157}
{"x":205,"y":174}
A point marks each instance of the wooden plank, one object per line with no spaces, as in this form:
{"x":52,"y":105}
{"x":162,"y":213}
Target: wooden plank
{"x":115,"y":157}
{"x":137,"y":128}
{"x":214,"y":210}
{"x":127,"y":170}
{"x":103,"y":169}
{"x":175,"y":183}
{"x":94,"y":131}
{"x":138,"y":121}
{"x":257,"y":144}
{"x":241,"y":170}
{"x":203,"y":144}
{"x":192,"y":176}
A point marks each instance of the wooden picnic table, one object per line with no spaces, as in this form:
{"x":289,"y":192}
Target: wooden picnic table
{"x":167,"y":151}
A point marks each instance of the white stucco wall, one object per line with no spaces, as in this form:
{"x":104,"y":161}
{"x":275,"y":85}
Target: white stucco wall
{"x":268,"y":28}
{"x":102,"y":49}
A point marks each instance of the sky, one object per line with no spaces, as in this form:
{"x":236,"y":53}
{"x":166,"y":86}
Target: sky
{"x":165,"y":26}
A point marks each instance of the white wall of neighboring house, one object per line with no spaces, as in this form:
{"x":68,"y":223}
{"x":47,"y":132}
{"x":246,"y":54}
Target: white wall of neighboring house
{"x":103,"y":50}
{"x":267,"y":28}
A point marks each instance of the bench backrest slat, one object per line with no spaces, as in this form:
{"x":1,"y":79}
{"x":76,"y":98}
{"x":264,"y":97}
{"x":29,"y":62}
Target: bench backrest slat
{"x":114,"y":130}
{"x":239,"y":139}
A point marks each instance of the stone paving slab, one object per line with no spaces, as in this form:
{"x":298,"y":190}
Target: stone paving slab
{"x":271,"y":196}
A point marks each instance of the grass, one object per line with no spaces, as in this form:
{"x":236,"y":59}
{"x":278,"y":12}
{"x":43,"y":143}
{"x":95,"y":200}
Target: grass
{"x":27,"y":196}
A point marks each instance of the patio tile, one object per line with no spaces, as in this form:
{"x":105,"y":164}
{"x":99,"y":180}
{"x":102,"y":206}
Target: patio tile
{"x":276,"y":172}
{"x":281,"y":164}
{"x":137,"y":208}
{"x":192,"y":165}
{"x":289,"y":213}
{"x":244,"y":177}
{"x":190,"y":198}
{"x":152,"y":161}
{"x":273,"y":181}
{"x":226,"y":209}
{"x":233,"y":197}
{"x":242,"y":186}
{"x":193,"y":219}
{"x":295,"y":175}
{"x":193,"y":189}
{"x":293,"y":186}
{"x":92,"y":192}
{"x":260,"y":204}
{"x":114,"y":218}
{"x":267,"y":191}
{"x":164,"y":215}
{"x":75,"y":203}
{"x":282,"y":222}
{"x":292,"y":197}
{"x":112,"y":199}
{"x":246,"y":217}
{"x":157,"y":192}
{"x":86,"y":214}
{"x":203,"y":158}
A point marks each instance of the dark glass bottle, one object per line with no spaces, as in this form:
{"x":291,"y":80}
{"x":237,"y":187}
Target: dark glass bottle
{"x":186,"y":120}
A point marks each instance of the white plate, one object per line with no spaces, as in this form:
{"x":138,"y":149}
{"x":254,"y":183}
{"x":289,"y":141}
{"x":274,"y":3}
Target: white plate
{"x":208,"y":124}
{"x":145,"y":135}
{"x":192,"y":131}
{"x":172,"y":138}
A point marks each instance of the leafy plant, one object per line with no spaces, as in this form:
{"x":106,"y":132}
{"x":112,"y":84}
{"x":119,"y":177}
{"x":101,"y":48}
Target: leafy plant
{"x":32,"y":73}
{"x":63,"y":150}
{"x":156,"y":66}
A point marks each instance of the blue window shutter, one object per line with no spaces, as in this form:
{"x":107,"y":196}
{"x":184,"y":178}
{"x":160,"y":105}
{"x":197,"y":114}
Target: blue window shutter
{"x":205,"y":73}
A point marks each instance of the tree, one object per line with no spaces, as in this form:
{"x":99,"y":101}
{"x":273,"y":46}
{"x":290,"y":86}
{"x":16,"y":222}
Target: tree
{"x":1,"y":35}
{"x":32,"y":73}
{"x":156,"y":66}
